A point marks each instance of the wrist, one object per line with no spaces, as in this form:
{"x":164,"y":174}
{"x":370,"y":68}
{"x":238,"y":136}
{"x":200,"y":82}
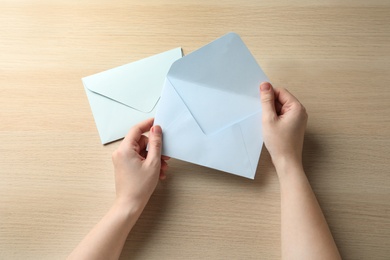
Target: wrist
{"x":287,"y":166}
{"x":124,"y":215}
{"x":129,"y":207}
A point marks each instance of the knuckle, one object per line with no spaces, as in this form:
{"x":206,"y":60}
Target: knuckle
{"x":115,"y":155}
{"x":157,"y":143}
{"x":302,"y":112}
{"x":119,"y":154}
{"x":265,"y":98}
{"x":303,"y":109}
{"x":300,"y":108}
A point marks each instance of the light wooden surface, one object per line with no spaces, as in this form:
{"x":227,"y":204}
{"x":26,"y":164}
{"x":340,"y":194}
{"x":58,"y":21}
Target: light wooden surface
{"x":56,"y":179}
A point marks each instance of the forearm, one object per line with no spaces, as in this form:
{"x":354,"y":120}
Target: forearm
{"x":106,"y":239}
{"x":305,"y":233}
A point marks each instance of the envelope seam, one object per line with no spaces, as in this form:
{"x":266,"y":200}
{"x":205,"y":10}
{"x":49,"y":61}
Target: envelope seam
{"x":246,"y":149}
{"x":97,"y":93}
{"x":181,"y":112}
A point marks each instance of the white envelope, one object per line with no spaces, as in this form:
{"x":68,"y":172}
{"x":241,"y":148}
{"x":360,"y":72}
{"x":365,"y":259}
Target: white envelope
{"x":210,"y":109}
{"x":123,"y":96}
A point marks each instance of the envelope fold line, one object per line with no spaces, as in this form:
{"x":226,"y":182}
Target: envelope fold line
{"x":110,"y":98}
{"x":246,"y":149}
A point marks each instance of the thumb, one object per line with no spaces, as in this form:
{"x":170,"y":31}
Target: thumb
{"x":267,"y":99}
{"x":155,"y":144}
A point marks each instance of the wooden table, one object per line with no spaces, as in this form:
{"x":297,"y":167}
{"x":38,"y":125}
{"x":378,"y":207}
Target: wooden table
{"x":56,"y":179}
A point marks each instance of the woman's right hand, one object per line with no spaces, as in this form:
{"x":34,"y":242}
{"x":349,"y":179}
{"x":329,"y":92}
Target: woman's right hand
{"x":284,"y":124}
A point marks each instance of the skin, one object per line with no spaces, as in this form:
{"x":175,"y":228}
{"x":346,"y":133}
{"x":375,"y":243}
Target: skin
{"x":304,"y":233}
{"x":136,"y":176}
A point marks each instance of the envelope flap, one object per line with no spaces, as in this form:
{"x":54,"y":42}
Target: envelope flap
{"x":219,"y":83}
{"x":137,"y":84}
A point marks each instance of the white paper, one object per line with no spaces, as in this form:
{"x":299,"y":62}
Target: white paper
{"x":123,"y":96}
{"x":210,"y":109}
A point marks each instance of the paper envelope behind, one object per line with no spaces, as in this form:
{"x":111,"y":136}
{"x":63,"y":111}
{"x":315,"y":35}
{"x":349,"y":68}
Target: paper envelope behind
{"x":210,"y":109}
{"x":126,"y":95}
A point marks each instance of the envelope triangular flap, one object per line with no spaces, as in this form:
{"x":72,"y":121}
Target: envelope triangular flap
{"x":184,"y":140}
{"x":137,"y":84}
{"x":219,"y":83}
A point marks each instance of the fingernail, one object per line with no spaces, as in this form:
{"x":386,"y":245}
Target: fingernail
{"x":265,"y":86}
{"x":156,"y":129}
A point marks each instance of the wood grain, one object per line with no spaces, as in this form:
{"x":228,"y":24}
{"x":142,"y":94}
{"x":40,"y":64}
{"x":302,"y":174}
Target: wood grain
{"x":56,"y":179}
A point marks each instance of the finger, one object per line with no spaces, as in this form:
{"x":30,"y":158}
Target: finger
{"x":287,"y":100}
{"x":136,"y":131}
{"x":278,"y":107}
{"x":165,"y":158}
{"x":164,"y":165}
{"x":163,"y":176}
{"x":155,"y":144}
{"x":283,"y":96}
{"x":163,"y":169}
{"x":143,"y":154}
{"x":143,"y":142}
{"x":267,"y":100}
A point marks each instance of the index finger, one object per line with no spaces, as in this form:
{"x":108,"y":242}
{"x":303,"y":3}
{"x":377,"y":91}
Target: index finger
{"x":136,"y":131}
{"x":283,"y":96}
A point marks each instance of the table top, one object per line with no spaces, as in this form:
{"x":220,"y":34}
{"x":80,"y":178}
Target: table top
{"x":56,"y":179}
